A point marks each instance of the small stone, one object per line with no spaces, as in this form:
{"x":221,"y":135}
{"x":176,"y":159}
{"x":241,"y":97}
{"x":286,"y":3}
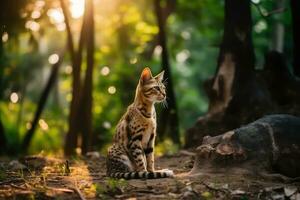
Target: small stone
{"x":93,"y":154}
{"x":277,"y":196}
{"x":190,"y":195}
{"x":16,"y":165}
{"x":238,"y":192}
{"x":290,"y":190}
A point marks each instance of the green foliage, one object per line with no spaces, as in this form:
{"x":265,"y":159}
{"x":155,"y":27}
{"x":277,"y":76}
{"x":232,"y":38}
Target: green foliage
{"x":2,"y":174}
{"x":109,"y":188}
{"x":207,"y":195}
{"x":125,"y":42}
{"x":166,"y":147}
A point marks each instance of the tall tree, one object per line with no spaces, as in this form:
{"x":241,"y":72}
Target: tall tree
{"x":80,"y":117}
{"x":76,"y":59}
{"x":236,"y":58}
{"x":11,"y":23}
{"x":233,"y":89}
{"x":168,"y":116}
{"x":85,"y":113}
{"x":295,"y":7}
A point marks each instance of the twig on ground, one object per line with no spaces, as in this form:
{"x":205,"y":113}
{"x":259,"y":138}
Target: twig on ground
{"x":279,"y":177}
{"x":215,"y":189}
{"x":12,"y":181}
{"x":76,"y":189}
{"x":18,"y":187}
{"x":60,"y":189}
{"x":79,"y":193}
{"x":187,"y":153}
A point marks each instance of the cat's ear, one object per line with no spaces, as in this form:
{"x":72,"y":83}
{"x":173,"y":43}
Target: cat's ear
{"x":146,"y":75}
{"x":160,"y":76}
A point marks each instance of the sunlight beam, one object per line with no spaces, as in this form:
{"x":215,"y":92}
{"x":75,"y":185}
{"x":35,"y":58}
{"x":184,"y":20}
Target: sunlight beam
{"x":77,"y":8}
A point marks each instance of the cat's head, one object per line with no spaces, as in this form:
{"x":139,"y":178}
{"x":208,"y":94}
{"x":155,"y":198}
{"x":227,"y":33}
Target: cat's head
{"x":152,"y":88}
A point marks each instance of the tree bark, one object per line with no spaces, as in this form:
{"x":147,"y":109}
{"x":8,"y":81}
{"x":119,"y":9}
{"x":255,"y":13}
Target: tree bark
{"x":85,"y":113}
{"x":234,"y":88}
{"x":168,"y":116}
{"x":295,"y":7}
{"x":42,"y":102}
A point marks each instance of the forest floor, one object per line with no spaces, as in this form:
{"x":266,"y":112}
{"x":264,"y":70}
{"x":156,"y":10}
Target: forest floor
{"x":38,"y":177}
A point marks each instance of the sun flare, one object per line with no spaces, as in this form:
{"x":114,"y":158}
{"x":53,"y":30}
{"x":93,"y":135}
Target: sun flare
{"x":77,"y":8}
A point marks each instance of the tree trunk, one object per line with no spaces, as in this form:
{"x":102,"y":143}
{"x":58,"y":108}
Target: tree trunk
{"x":85,"y":113}
{"x":168,"y":116}
{"x":234,"y":88}
{"x":72,"y":135}
{"x":3,"y":140}
{"x":295,"y":7}
{"x":41,"y":104}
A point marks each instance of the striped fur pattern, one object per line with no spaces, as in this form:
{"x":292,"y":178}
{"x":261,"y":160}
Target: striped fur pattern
{"x":132,"y":152}
{"x":144,"y":174}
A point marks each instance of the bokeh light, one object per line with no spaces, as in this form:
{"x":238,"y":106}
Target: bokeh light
{"x":53,"y":58}
{"x":76,"y":8}
{"x":106,"y":125}
{"x":68,"y":69}
{"x":14,"y":98}
{"x":4,"y":37}
{"x":35,"y":14}
{"x":105,"y":71}
{"x":111,"y":89}
{"x":133,"y":60}
{"x":32,"y":25}
{"x":56,"y":16}
{"x":28,"y":125}
{"x":44,"y":126}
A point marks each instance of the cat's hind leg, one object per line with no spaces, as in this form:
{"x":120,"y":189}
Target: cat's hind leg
{"x":117,"y":163}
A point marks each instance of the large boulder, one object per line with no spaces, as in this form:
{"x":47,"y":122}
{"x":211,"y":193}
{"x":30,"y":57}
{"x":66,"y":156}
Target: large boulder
{"x":270,"y":144}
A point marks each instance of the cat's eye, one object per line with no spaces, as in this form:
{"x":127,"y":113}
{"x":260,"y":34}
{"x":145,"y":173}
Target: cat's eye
{"x":156,"y":87}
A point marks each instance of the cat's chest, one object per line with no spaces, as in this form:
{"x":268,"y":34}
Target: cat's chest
{"x":148,"y":133}
{"x":149,"y":127}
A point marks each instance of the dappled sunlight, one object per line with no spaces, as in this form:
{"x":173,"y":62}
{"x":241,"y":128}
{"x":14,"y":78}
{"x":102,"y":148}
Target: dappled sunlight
{"x":32,"y":25}
{"x":77,"y":8}
{"x":56,"y":15}
{"x":43,"y":124}
{"x":151,"y":78}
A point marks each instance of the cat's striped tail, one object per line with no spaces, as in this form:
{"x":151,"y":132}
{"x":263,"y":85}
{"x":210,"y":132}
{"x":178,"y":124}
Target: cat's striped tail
{"x":143,"y":175}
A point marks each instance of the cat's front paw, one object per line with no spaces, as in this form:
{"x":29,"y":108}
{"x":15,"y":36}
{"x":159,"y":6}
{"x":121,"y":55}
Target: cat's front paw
{"x":151,"y":170}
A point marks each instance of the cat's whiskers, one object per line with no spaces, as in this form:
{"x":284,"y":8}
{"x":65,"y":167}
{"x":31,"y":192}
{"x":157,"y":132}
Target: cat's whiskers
{"x":165,"y":103}
{"x":165,"y":82}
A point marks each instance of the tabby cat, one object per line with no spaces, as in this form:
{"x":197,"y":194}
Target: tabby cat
{"x":132,"y":153}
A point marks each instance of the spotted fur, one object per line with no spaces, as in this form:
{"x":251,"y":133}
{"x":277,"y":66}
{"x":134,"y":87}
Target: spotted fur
{"x":132,"y":152}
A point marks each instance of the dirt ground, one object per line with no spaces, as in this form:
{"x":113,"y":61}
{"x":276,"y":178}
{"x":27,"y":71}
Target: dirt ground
{"x":38,"y":177}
